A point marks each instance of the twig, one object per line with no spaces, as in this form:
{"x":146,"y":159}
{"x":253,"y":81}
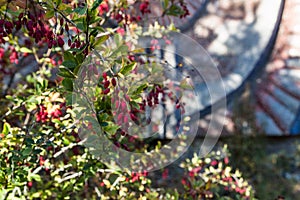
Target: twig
{"x":10,"y":111}
{"x":70,"y":177}
{"x":64,"y":149}
{"x":65,"y":17}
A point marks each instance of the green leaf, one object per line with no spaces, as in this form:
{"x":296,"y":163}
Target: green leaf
{"x":49,"y":14}
{"x":71,"y":64}
{"x":96,"y":4}
{"x":58,"y":2}
{"x":69,"y":99}
{"x":25,"y":50}
{"x":79,"y":58}
{"x":66,"y":141}
{"x":94,"y":32}
{"x":101,"y":40}
{"x":80,"y":25}
{"x":29,"y":141}
{"x":37,"y":151}
{"x":6,"y":128}
{"x":102,"y":117}
{"x":27,"y":151}
{"x":165,"y":4}
{"x":128,"y":68}
{"x":66,"y":73}
{"x":35,"y":177}
{"x":111,"y":128}
{"x":65,"y":8}
{"x":68,"y":56}
{"x":68,"y":84}
{"x":140,"y":89}
{"x":174,"y":10}
{"x":123,"y":49}
{"x":135,"y":105}
{"x":3,"y":193}
{"x":81,"y":10}
{"x":118,"y":39}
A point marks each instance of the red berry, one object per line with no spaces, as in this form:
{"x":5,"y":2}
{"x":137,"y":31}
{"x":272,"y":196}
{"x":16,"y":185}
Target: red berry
{"x":61,"y":31}
{"x":21,"y":15}
{"x":29,"y":26}
{"x":67,"y":27}
{"x":106,"y":84}
{"x":106,"y":91}
{"x":60,"y":42}
{"x":123,"y":105}
{"x":50,"y":45}
{"x":77,"y":43}
{"x":133,"y":117}
{"x":214,"y":163}
{"x":123,"y":133}
{"x":57,"y":113}
{"x":18,"y":25}
{"x":127,"y":97}
{"x":117,"y":104}
{"x":125,"y":120}
{"x":29,"y":184}
{"x":104,"y":75}
{"x":114,"y":82}
{"x":69,"y":42}
{"x":120,"y":117}
{"x":144,"y":8}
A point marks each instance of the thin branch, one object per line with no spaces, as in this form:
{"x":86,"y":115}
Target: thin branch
{"x":70,"y":177}
{"x":64,"y":149}
{"x":65,"y":17}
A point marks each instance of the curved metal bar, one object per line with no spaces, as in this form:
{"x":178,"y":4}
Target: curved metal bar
{"x":259,"y":66}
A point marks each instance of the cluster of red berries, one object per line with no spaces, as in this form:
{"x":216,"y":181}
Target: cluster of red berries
{"x":185,"y":10}
{"x":13,"y":55}
{"x":136,"y":176}
{"x":43,"y":115}
{"x":40,"y":32}
{"x":107,"y":82}
{"x":36,"y":29}
{"x":6,"y":28}
{"x":122,"y":111}
{"x":241,"y":190}
{"x":132,"y":178}
{"x":152,"y":98}
{"x":194,"y":171}
{"x":120,"y":16}
{"x":144,"y":7}
{"x":77,"y":44}
{"x":165,"y":173}
{"x":2,"y":61}
{"x":103,"y":8}
{"x":127,"y":142}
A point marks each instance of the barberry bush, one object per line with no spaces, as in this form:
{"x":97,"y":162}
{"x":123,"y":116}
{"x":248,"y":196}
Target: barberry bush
{"x":44,"y":48}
